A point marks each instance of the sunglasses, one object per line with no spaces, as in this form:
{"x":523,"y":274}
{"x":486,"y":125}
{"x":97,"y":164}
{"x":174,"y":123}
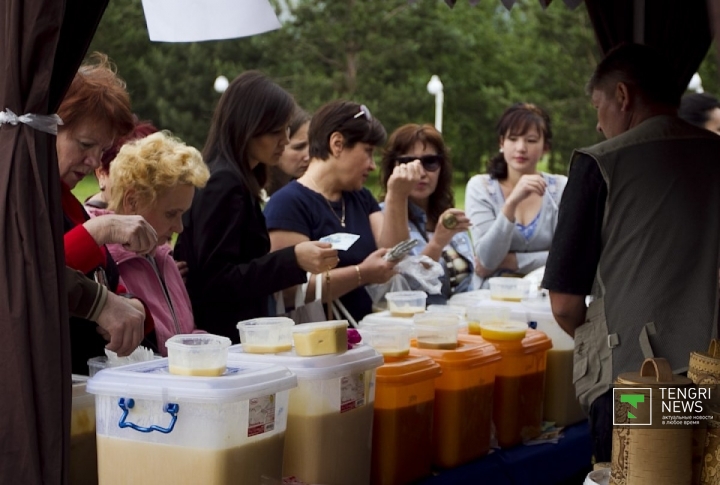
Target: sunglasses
{"x":431,"y":163}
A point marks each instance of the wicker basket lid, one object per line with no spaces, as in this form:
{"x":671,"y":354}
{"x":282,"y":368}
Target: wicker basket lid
{"x":654,"y":372}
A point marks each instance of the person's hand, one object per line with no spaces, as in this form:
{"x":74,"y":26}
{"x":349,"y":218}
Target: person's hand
{"x":316,"y":257}
{"x":121,"y":323}
{"x":404,"y":178}
{"x":182,"y":267}
{"x":374,"y":269}
{"x":526,"y":186}
{"x":133,"y":232}
{"x":444,"y":234}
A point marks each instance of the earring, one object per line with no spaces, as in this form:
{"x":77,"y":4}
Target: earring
{"x":501,"y":150}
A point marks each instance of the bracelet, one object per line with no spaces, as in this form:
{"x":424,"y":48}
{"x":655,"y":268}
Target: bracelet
{"x":329,"y":297}
{"x":357,"y":270}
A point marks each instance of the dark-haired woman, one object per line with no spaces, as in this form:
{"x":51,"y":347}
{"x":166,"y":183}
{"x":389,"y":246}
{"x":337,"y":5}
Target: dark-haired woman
{"x":296,"y":157}
{"x":513,"y":208}
{"x":330,"y":198}
{"x":232,"y":273}
{"x":441,"y":229}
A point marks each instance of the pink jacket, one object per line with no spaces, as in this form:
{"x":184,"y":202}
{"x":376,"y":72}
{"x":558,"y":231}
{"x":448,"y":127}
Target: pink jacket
{"x":171,"y":311}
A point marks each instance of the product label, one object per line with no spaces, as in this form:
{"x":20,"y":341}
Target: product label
{"x":352,"y":392}
{"x":261,"y":415}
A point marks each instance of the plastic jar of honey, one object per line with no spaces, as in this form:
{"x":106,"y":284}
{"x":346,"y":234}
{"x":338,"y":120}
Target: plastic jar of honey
{"x":403,"y":420}
{"x":519,"y":382}
{"x":463,"y":402}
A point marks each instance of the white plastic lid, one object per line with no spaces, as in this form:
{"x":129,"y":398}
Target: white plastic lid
{"x":355,"y":360}
{"x":384,"y":318}
{"x":152,"y":380}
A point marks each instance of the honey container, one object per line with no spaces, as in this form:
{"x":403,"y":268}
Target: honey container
{"x":519,"y":383}
{"x":711,"y":450}
{"x":463,"y":402}
{"x":403,"y":419}
{"x":330,"y":413}
{"x":83,"y":456}
{"x":704,"y":370}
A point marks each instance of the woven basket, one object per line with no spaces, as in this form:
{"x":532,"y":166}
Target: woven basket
{"x":711,"y":459}
{"x":646,"y":455}
{"x":704,"y":367}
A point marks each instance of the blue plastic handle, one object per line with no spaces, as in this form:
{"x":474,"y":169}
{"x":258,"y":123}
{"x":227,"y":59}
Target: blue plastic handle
{"x":127,"y":404}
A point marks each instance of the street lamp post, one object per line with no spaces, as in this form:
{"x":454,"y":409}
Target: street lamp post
{"x":435,"y":87}
{"x":221,"y":84}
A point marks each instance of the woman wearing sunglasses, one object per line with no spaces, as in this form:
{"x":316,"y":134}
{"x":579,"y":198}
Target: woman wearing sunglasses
{"x":514,"y":207}
{"x":330,"y":198}
{"x":440,"y":228}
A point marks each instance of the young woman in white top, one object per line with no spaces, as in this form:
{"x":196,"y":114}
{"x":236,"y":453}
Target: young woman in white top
{"x":513,"y":208}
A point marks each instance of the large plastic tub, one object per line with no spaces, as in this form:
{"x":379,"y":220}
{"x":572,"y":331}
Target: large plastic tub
{"x":330,"y":414}
{"x":560,"y":404}
{"x":463,"y":402}
{"x":519,"y":386}
{"x":402,"y":428}
{"x":83,"y":456}
{"x":154,"y":427}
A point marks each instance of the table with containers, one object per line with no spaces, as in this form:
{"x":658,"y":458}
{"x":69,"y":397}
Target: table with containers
{"x":434,"y":395}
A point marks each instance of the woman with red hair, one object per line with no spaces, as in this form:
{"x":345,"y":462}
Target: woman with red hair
{"x":95,"y":111}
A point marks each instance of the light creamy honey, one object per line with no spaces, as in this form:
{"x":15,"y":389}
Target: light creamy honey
{"x":200,"y":372}
{"x":266,"y":349}
{"x":123,"y":462}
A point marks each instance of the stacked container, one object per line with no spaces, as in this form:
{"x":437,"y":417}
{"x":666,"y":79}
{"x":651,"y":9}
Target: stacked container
{"x":330,"y":413}
{"x":83,"y":456}
{"x":154,"y":427}
{"x":519,"y":383}
{"x":463,"y":402}
{"x":402,"y":426}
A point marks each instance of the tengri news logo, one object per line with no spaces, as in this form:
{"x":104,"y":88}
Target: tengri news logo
{"x":632,"y":406}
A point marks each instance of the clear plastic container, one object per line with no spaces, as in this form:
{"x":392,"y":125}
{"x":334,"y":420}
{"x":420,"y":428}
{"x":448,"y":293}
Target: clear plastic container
{"x":83,"y":454}
{"x":478,"y":316}
{"x":402,"y":425}
{"x":384,"y":318}
{"x":406,"y":303}
{"x":509,"y":289}
{"x":458,"y":310}
{"x":171,"y":429}
{"x":197,"y":354}
{"x":266,"y":335}
{"x":330,"y":413}
{"x":96,"y":364}
{"x":320,"y":338}
{"x":462,"y":419}
{"x":436,"y":331}
{"x":392,"y":341}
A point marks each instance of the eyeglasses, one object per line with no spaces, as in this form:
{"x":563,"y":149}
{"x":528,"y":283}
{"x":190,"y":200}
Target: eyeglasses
{"x":431,"y":163}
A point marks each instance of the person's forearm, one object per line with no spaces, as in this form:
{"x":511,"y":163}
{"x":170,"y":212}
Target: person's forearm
{"x":569,"y":311}
{"x":86,"y":298}
{"x":342,"y":282}
{"x":492,"y":246}
{"x":432,"y":250}
{"x":395,"y":222}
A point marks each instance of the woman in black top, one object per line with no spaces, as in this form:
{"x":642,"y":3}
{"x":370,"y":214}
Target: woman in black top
{"x":225,"y":242}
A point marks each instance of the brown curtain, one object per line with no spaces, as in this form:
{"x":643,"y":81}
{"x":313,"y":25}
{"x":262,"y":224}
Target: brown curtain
{"x":680,"y":28}
{"x":42,"y":43}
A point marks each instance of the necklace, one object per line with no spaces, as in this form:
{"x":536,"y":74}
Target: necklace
{"x":342,"y":201}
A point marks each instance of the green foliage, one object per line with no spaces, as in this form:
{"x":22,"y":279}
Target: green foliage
{"x":382,"y":53}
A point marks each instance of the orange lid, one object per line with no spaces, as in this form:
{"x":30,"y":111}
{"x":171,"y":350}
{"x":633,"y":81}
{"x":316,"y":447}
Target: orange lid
{"x":467,"y":354}
{"x":408,"y":371}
